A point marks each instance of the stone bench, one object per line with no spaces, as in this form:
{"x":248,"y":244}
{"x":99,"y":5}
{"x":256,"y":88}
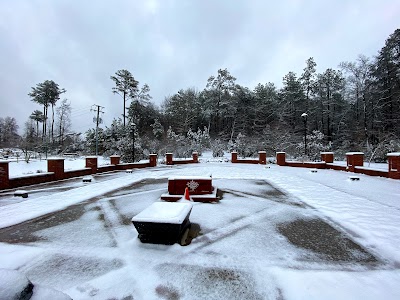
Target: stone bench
{"x":87,"y":179}
{"x":21,"y":193}
{"x":163,"y":222}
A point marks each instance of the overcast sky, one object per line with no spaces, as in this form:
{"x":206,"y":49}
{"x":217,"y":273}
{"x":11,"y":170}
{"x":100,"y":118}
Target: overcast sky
{"x":171,"y":44}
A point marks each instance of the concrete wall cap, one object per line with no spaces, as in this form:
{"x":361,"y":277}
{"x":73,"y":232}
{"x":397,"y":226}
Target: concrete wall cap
{"x":280,"y":152}
{"x":55,"y":158}
{"x":262,"y":151}
{"x":394,"y":154}
{"x":354,"y":153}
{"x":326,"y":152}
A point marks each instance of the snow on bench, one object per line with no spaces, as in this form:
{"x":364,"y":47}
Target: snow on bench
{"x":87,"y":179}
{"x":21,"y":193}
{"x":162,"y":222}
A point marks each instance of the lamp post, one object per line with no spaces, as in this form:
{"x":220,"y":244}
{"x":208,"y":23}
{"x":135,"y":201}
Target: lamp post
{"x":304,"y":116}
{"x":133,"y":140}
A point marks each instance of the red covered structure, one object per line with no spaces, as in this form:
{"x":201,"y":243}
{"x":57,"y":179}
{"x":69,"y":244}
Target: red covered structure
{"x":200,"y":188}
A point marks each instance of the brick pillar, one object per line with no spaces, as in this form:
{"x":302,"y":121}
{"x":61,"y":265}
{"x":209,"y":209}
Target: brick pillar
{"x":153,"y":160}
{"x":234,"y":157}
{"x":327,"y":157}
{"x":4,"y":175}
{"x":91,"y":162}
{"x":394,"y":165}
{"x":262,"y":157}
{"x":281,"y":158}
{"x":195,"y":156}
{"x":115,"y":159}
{"x":56,"y":165}
{"x":168,"y":158}
{"x":354,"y":159}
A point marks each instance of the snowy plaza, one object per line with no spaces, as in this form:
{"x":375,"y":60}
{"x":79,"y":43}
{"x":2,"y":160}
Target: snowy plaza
{"x":276,"y":233}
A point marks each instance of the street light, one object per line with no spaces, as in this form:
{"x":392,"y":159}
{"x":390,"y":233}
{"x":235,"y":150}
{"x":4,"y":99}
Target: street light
{"x":133,"y":125}
{"x":304,"y":116}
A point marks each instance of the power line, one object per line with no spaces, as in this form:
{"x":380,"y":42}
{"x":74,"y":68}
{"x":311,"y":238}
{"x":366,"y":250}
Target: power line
{"x":98,"y":109}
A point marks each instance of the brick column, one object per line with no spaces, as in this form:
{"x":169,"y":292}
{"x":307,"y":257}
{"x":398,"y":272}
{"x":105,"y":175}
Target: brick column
{"x":91,"y":162}
{"x":281,"y":158}
{"x":153,"y":160}
{"x":168,"y":159}
{"x":234,"y":157}
{"x":262,"y":157}
{"x":4,"y":175}
{"x":354,"y":159}
{"x":195,"y":156}
{"x":394,"y":165}
{"x":56,"y":165}
{"x":115,"y":159}
{"x":327,"y":157}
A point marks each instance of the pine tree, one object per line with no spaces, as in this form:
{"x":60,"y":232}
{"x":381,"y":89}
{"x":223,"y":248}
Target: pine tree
{"x":126,"y":86}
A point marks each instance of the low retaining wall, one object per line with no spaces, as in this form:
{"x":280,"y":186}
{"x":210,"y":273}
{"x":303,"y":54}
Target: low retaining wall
{"x":371,"y":172}
{"x":128,"y":166}
{"x":262,"y":159}
{"x":77,"y":173}
{"x":355,"y":162}
{"x":31,"y":179}
{"x":170,"y":161}
{"x":56,"y":171}
{"x":313,"y":165}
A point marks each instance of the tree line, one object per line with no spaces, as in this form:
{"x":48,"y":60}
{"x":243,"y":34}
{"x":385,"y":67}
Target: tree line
{"x":355,"y":107}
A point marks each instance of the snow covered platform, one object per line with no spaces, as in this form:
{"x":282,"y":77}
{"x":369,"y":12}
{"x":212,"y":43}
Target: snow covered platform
{"x":162,"y":223}
{"x":21,"y":193}
{"x":200,"y":188}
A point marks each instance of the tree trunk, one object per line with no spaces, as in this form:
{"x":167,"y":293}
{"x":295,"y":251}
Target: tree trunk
{"x":123,"y":115}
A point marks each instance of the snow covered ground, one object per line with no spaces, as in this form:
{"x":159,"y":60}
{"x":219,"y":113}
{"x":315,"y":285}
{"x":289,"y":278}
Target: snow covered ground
{"x":277,"y":233}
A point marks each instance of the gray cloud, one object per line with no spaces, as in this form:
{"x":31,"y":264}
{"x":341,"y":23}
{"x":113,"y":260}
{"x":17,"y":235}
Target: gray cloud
{"x":174,"y":44}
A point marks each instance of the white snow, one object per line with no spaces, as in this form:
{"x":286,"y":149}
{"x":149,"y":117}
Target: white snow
{"x":190,"y":178}
{"x":163,"y":212}
{"x":12,"y":283}
{"x":240,"y":254}
{"x":394,"y":154}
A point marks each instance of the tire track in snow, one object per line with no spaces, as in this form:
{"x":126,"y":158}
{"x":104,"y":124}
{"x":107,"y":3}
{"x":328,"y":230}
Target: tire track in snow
{"x":375,"y":223}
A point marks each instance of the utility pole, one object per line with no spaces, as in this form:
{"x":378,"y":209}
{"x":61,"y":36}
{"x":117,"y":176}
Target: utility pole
{"x":98,"y":109}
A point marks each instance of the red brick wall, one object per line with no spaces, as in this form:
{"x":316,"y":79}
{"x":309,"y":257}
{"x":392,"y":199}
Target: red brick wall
{"x":57,"y":167}
{"x":4,"y":175}
{"x":262,"y":157}
{"x":31,"y":179}
{"x":78,"y":173}
{"x":281,"y":158}
{"x":91,"y":162}
{"x":115,"y":159}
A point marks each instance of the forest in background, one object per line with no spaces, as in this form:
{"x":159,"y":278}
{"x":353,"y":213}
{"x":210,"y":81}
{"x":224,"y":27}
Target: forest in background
{"x":355,"y":107}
